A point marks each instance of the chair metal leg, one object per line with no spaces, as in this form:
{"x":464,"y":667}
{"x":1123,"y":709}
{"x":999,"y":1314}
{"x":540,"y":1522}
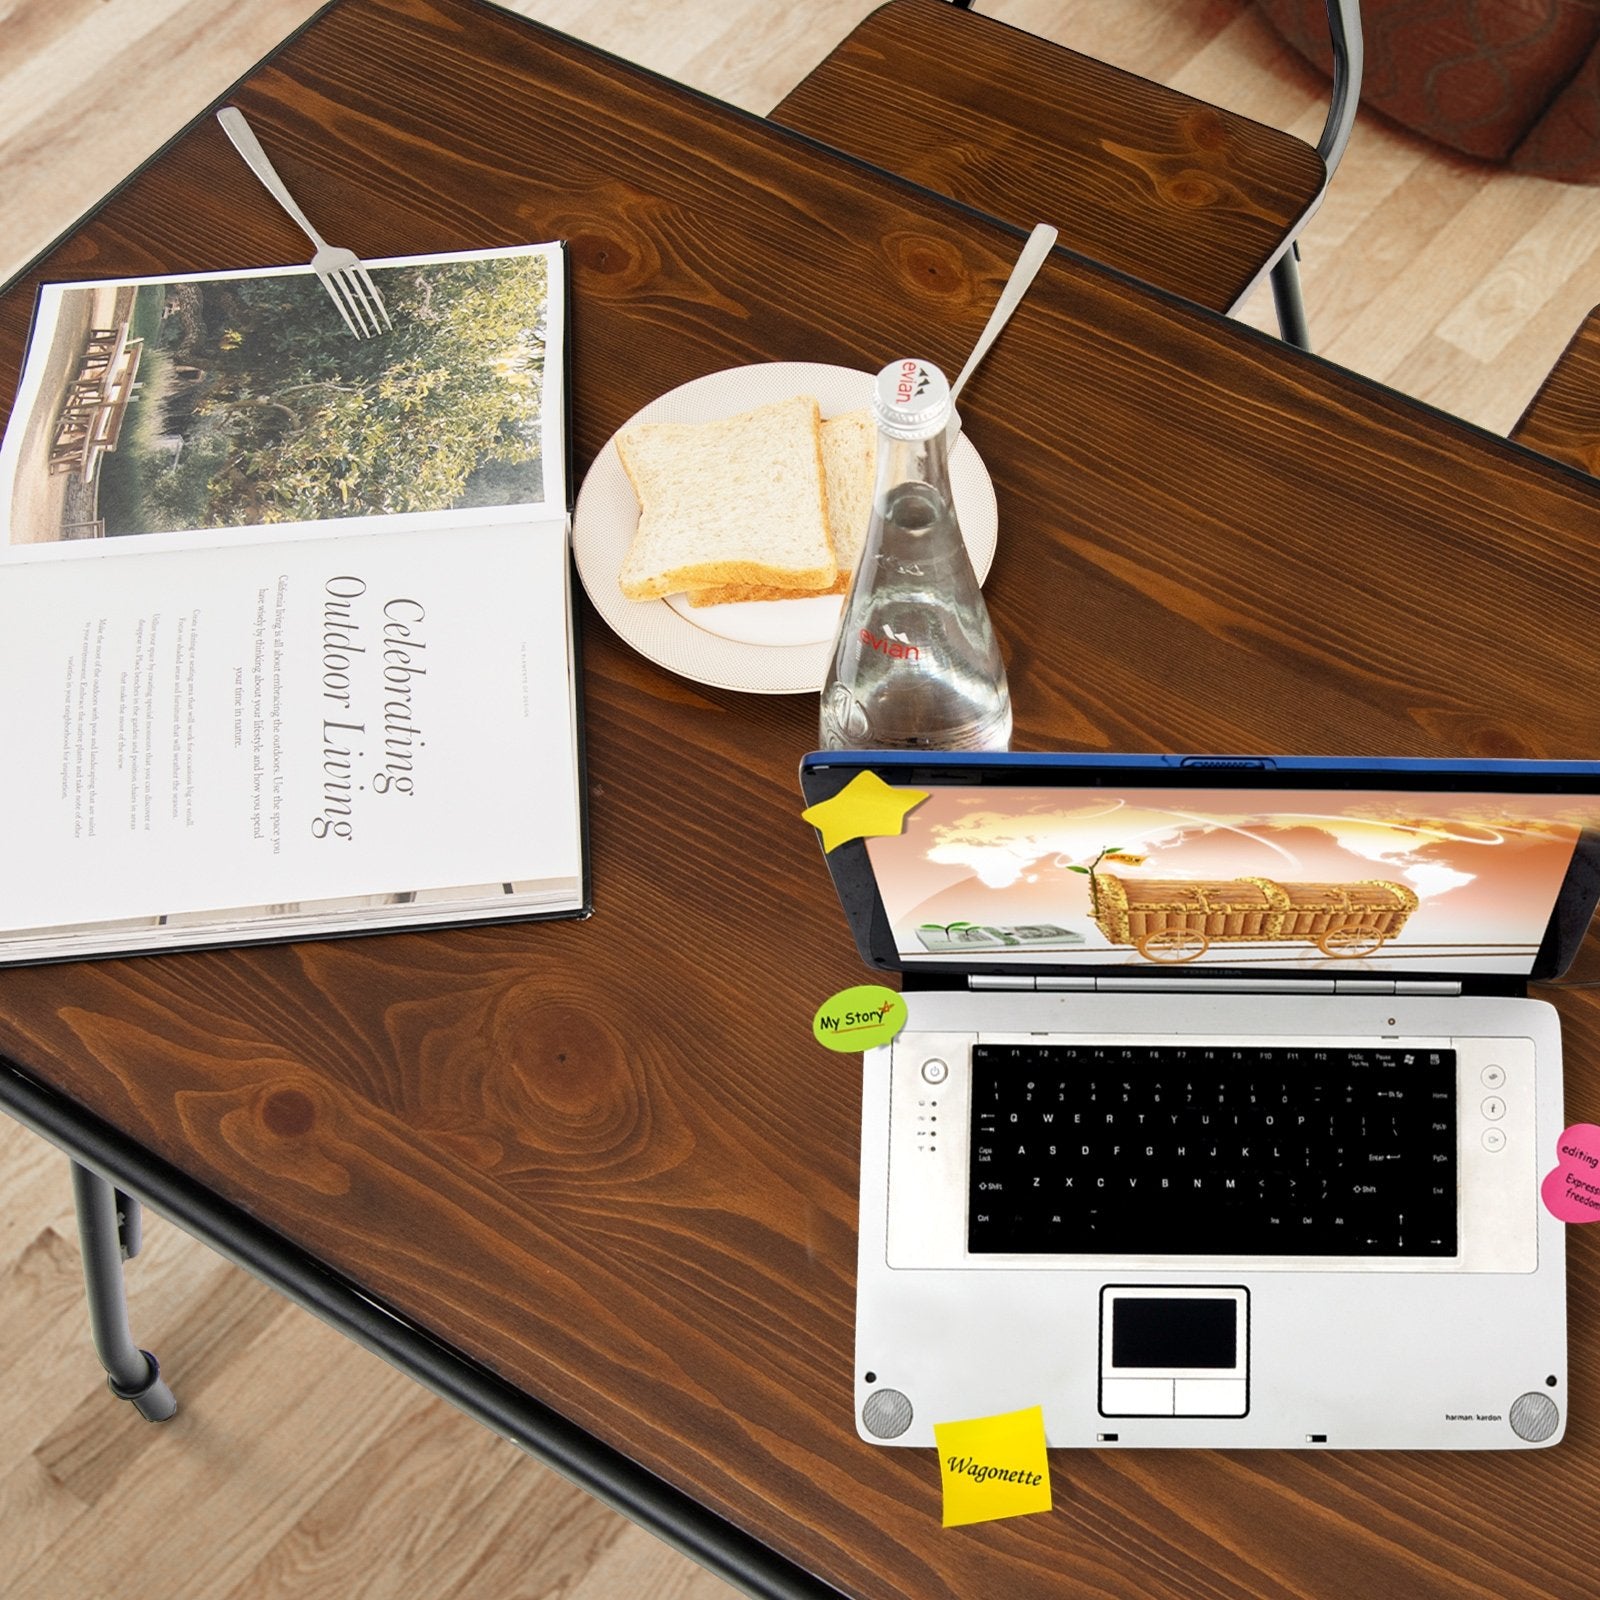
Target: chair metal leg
{"x":1286,"y":297}
{"x":108,"y":1229}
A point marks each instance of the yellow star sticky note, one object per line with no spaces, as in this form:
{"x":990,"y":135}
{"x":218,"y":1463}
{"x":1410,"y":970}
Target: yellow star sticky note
{"x":865,"y":808}
{"x":993,"y":1467}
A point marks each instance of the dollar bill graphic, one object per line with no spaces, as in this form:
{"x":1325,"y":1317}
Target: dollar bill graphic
{"x":978,"y":936}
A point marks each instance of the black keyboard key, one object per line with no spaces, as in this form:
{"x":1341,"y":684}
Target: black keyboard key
{"x":1202,"y":1150}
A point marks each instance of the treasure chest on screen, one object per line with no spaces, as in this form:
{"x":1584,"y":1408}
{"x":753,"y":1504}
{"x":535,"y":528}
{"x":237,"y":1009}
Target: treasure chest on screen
{"x":1168,"y":919}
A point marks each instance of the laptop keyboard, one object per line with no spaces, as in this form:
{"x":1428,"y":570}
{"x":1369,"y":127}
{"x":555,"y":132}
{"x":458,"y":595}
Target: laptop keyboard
{"x":1186,"y":1150}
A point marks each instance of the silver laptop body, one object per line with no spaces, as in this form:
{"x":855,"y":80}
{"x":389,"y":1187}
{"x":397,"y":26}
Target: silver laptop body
{"x":990,"y":1280}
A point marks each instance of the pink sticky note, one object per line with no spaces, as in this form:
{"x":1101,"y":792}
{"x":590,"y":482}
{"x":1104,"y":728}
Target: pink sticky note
{"x":1572,"y":1191}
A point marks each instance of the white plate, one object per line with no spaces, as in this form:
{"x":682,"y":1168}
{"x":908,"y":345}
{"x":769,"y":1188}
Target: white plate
{"x":766,"y":647}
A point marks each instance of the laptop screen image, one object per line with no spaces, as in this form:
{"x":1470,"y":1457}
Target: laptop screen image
{"x":1312,"y":880}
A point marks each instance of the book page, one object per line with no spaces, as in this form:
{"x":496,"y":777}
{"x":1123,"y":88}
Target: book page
{"x":218,"y":408}
{"x":195,"y":730}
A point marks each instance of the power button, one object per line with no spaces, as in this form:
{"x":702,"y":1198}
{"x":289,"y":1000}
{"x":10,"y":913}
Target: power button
{"x":934,"y":1071}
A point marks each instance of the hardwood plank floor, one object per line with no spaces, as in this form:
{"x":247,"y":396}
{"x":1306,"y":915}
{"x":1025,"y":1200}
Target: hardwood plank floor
{"x":298,"y":1464}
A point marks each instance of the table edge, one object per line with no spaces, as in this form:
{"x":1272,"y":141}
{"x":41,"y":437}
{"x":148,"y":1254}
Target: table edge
{"x":732,"y":1554}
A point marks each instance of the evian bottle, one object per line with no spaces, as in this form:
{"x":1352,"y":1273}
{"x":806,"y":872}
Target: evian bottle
{"x":915,"y":665}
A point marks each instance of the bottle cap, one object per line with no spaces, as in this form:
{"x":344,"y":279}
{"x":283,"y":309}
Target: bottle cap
{"x":911,"y":400}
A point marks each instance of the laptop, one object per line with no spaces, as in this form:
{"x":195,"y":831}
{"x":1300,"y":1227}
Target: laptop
{"x":1220,"y":1112}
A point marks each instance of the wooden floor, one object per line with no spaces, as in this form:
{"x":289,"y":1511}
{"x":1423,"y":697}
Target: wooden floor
{"x":299,"y":1465}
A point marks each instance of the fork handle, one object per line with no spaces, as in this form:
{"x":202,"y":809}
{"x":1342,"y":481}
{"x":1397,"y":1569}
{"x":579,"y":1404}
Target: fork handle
{"x":246,"y":143}
{"x":1034,"y":254}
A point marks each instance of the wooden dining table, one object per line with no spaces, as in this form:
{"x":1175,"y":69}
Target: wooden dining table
{"x":595,"y":1179}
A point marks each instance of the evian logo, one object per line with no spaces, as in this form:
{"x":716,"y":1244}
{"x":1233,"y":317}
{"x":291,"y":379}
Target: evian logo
{"x":894,"y":648}
{"x":913,"y":381}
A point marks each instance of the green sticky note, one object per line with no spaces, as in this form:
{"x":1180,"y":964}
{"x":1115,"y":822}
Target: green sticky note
{"x":993,"y":1467}
{"x":860,"y":1018}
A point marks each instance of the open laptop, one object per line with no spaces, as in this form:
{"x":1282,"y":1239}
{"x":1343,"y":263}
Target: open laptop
{"x":1220,"y":1113}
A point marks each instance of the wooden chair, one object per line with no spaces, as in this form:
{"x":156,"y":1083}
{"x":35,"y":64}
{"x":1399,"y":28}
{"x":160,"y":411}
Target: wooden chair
{"x":1167,"y":188}
{"x":1563,"y":419}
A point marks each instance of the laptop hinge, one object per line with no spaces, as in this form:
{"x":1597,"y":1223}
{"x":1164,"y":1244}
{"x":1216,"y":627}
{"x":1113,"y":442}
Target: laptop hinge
{"x":1396,"y":986}
{"x":1154,"y":985}
{"x":1080,"y":983}
{"x":1057,"y":983}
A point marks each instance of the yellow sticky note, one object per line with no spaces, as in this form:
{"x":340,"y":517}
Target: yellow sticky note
{"x":993,"y":1467}
{"x":865,"y":808}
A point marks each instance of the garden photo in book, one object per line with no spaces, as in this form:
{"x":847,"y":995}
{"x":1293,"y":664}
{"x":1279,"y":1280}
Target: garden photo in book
{"x":231,"y":401}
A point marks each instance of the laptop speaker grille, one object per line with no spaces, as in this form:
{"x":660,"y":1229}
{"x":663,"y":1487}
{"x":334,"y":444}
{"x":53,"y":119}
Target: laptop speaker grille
{"x":887,"y":1413}
{"x":1534,"y":1416}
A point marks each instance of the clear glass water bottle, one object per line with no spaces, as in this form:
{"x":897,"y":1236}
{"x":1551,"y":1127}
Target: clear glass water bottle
{"x":915,"y":664}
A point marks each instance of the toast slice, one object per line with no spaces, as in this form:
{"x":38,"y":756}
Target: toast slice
{"x":738,"y":501}
{"x":849,"y":464}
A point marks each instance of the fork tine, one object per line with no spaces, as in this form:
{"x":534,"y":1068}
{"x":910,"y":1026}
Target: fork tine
{"x":331,"y":285}
{"x":356,"y":295}
{"x":359,"y":308}
{"x":350,"y":278}
{"x":364,"y":278}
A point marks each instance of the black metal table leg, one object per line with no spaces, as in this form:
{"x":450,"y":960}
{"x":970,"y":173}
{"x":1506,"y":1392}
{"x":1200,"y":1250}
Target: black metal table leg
{"x":108,"y":1233}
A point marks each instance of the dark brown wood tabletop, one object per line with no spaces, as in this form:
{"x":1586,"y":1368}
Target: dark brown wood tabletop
{"x":606,"y":1158}
{"x":1167,"y":188}
{"x":1563,"y":418}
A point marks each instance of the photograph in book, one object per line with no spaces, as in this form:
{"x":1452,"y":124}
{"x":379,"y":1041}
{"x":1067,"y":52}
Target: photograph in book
{"x":241,"y":400}
{"x":285,"y":630}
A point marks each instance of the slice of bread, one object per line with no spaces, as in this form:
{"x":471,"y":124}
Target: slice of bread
{"x":738,"y":501}
{"x":849,"y":463}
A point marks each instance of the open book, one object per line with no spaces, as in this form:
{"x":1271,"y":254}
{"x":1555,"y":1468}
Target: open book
{"x":286,"y":646}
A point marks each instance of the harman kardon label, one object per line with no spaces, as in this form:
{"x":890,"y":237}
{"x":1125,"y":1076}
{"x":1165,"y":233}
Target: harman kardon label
{"x":1473,"y":1416}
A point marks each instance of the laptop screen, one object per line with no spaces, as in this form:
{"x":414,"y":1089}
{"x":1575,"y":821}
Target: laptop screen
{"x":1286,"y":874}
{"x":1393,"y":883}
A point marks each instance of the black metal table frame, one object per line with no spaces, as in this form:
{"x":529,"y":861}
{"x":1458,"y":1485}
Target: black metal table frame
{"x":673,"y":1516}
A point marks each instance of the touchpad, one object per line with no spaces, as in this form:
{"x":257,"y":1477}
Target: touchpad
{"x":1174,"y":1352}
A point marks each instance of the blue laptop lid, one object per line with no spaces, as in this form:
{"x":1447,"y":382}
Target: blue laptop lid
{"x":948,"y":865}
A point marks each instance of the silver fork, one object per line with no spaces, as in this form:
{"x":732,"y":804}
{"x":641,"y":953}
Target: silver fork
{"x":342,"y":273}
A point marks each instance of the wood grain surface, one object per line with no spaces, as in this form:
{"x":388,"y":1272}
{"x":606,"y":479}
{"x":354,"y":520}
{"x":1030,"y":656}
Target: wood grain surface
{"x":606,"y":1158}
{"x":1177,"y":192}
{"x":1563,"y":419}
